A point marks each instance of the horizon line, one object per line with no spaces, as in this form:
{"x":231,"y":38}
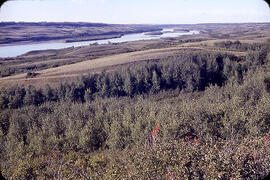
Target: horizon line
{"x":258,"y":22}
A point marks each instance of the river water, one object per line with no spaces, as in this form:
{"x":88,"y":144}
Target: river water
{"x":16,"y":50}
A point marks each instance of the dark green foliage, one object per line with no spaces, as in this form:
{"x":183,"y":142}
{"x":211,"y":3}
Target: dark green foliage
{"x":267,"y":84}
{"x":156,"y":82}
{"x":49,"y":94}
{"x":31,"y":74}
{"x":237,"y":45}
{"x":4,"y":121}
{"x":16,"y":97}
{"x":33,"y":96}
{"x":6,"y":71}
{"x":129,"y":85}
{"x":116,"y":84}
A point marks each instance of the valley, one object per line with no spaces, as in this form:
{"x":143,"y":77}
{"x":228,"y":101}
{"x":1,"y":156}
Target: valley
{"x":193,"y":106}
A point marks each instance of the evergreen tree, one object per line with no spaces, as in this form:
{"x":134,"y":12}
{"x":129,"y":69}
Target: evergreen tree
{"x":33,"y":96}
{"x":3,"y":99}
{"x":89,"y":95}
{"x":129,"y":84}
{"x":156,"y":82}
{"x":49,"y":94}
{"x":116,"y":83}
{"x":16,"y":96}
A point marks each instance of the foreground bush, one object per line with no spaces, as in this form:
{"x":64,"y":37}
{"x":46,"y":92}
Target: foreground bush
{"x":203,"y":159}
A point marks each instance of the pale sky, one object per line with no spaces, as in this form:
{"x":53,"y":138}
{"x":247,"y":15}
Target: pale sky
{"x":136,"y":11}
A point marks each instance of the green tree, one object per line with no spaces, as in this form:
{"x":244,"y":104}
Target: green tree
{"x":156,"y":82}
{"x":129,"y":84}
{"x":49,"y":94}
{"x":33,"y":96}
{"x":117,"y":84}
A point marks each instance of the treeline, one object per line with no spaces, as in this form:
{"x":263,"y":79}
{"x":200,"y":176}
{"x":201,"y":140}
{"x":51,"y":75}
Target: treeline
{"x":8,"y":70}
{"x":189,"y":71}
{"x":237,"y":45}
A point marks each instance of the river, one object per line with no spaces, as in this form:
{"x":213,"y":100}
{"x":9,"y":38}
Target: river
{"x":16,"y":50}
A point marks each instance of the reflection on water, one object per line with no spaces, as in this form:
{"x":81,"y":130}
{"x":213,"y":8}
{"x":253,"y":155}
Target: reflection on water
{"x":16,"y":50}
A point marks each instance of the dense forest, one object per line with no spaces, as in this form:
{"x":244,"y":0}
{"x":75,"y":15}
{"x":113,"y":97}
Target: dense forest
{"x":212,"y":109}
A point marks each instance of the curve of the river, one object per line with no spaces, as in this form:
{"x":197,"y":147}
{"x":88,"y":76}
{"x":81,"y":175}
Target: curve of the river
{"x":16,"y":50}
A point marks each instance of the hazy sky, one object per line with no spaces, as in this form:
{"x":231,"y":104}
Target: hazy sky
{"x":137,"y":11}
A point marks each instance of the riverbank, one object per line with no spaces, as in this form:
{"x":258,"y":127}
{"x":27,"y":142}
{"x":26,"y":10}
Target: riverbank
{"x":93,"y":38}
